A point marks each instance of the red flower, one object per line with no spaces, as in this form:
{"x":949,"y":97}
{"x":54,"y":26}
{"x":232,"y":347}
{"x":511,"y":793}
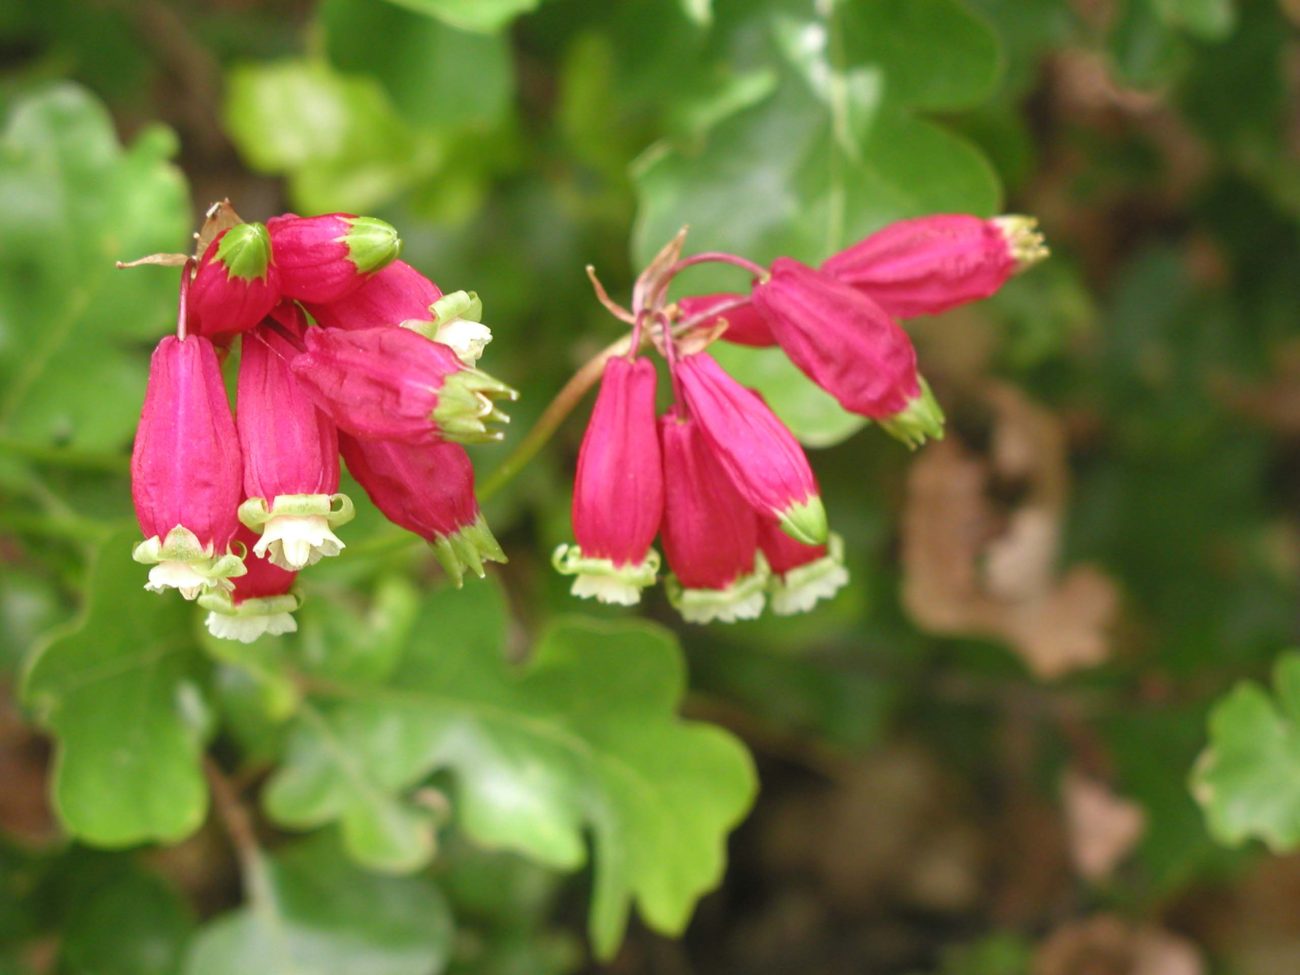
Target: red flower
{"x":745,"y":326}
{"x":393,"y":384}
{"x":427,"y":489}
{"x":618,"y":494}
{"x":710,"y":534}
{"x":323,"y":258}
{"x":185,"y":471}
{"x":846,"y":344}
{"x":395,"y":294}
{"x":236,"y":283}
{"x":291,"y":460}
{"x":764,"y":460}
{"x":929,"y":264}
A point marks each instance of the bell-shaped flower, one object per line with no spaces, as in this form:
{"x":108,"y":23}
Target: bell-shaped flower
{"x":618,"y":493}
{"x":761,"y":455}
{"x":802,"y":575}
{"x":393,"y":384}
{"x":391,"y":296}
{"x":291,"y":460}
{"x":710,"y":533}
{"x":427,"y":489}
{"x":745,"y":325}
{"x":262,"y":602}
{"x":236,"y":283}
{"x":846,"y":344}
{"x":323,"y":258}
{"x":185,"y":471}
{"x":929,"y":264}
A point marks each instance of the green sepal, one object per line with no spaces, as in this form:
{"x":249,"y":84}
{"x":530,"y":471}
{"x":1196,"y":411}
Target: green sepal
{"x":462,"y":305}
{"x":221,"y":602}
{"x":467,"y":548}
{"x":742,"y":600}
{"x":920,"y":420}
{"x":466,"y":406}
{"x":806,"y":522}
{"x":336,"y":509}
{"x":245,"y":251}
{"x":372,"y":244}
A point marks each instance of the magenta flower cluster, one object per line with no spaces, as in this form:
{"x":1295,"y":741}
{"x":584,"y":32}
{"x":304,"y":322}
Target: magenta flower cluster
{"x":718,"y":478}
{"x":343,"y":351}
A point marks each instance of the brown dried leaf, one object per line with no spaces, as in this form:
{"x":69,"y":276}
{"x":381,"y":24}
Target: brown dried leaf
{"x":971,"y":569}
{"x":1107,"y":945}
{"x":221,"y":216}
{"x":1103,"y":827}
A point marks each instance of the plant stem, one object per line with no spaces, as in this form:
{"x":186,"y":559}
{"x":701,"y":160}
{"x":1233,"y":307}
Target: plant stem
{"x":238,"y":824}
{"x":554,"y":414}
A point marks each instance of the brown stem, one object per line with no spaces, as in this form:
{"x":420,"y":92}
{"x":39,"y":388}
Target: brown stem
{"x":238,"y":824}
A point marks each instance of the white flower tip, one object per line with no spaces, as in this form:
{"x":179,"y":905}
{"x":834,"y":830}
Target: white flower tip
{"x":802,"y":595}
{"x":293,"y":542}
{"x":246,"y":629}
{"x":748,"y":607}
{"x":467,"y":339}
{"x":606,"y":589}
{"x":180,"y":576}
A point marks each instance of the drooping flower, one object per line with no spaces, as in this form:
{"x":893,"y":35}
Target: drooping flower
{"x":745,"y":325}
{"x":427,"y":489}
{"x":236,"y":283}
{"x":618,"y":493}
{"x":929,"y":264}
{"x":394,"y":384}
{"x":262,"y":602}
{"x":185,"y":471}
{"x":710,"y":533}
{"x":390,"y":296}
{"x":846,"y":344}
{"x":291,"y":461}
{"x":802,"y":574}
{"x":323,"y":258}
{"x":761,"y":455}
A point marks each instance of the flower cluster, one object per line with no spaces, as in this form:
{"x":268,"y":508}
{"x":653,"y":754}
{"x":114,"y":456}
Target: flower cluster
{"x":718,"y":477}
{"x":343,"y":350}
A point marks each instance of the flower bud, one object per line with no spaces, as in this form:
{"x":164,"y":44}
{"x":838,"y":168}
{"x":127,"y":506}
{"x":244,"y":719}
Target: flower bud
{"x":261,"y":603}
{"x":848,"y":346}
{"x":929,"y":264}
{"x":390,"y":296}
{"x":236,"y":283}
{"x":393,"y":384}
{"x":291,"y":461}
{"x":802,"y":575}
{"x":185,"y":471}
{"x":427,"y":489}
{"x":618,"y":493}
{"x":323,"y":258}
{"x":761,"y":455}
{"x":710,"y":533}
{"x":745,"y":326}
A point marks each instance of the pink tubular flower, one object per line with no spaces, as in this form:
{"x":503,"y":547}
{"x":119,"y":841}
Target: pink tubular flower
{"x":291,"y":461}
{"x":745,"y":326}
{"x":261,"y":603}
{"x":236,"y":283}
{"x":710,"y":534}
{"x":801,"y":574}
{"x":929,"y":264}
{"x":427,"y":489}
{"x":185,"y":471}
{"x":618,"y":494}
{"x":393,"y":384}
{"x":764,"y":460}
{"x":323,"y":258}
{"x":846,"y":344}
{"x":395,"y":294}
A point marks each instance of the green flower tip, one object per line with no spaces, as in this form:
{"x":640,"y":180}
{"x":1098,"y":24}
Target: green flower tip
{"x":372,"y":244}
{"x":920,"y":420}
{"x":467,"y":410}
{"x":806,"y":522}
{"x":467,"y":549}
{"x":245,"y":251}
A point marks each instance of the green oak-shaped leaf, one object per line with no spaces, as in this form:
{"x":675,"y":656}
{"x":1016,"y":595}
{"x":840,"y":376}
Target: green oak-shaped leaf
{"x":585,"y":736}
{"x":120,"y":692}
{"x":312,"y":912}
{"x":485,"y":16}
{"x":74,"y":330}
{"x":835,"y":153}
{"x":1248,"y":779}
